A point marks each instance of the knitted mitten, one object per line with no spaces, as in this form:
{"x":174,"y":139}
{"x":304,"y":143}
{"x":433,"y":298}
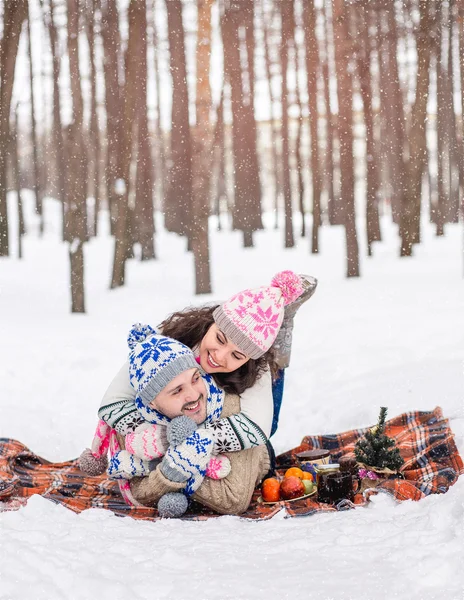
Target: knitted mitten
{"x":124,"y":465}
{"x":92,"y":465}
{"x":218,"y":467}
{"x":179,"y":429}
{"x":188,"y":460}
{"x":93,"y":461}
{"x":182,"y":427}
{"x":309,"y":284}
{"x":283,"y":342}
{"x":148,"y":441}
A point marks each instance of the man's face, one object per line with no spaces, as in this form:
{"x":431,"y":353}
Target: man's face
{"x":185,"y":395}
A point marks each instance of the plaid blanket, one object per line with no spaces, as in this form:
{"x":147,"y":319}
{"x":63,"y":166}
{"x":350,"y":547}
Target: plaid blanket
{"x":432,"y":464}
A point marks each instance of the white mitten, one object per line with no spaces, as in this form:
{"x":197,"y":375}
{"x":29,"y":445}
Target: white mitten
{"x":218,"y":467}
{"x":148,"y":441}
{"x":124,"y":465}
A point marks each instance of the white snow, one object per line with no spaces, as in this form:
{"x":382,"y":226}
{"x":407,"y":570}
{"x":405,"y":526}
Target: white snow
{"x":394,"y":337}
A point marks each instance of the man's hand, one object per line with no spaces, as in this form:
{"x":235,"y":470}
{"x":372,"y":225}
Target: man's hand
{"x":189,"y":458}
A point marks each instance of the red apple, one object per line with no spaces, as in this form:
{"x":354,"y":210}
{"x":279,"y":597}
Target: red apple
{"x":291,"y":487}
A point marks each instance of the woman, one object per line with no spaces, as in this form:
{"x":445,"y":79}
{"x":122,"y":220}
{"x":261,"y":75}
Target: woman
{"x":244,"y":343}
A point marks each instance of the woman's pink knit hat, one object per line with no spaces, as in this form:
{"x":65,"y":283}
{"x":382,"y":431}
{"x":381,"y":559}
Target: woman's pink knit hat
{"x":252,"y":318}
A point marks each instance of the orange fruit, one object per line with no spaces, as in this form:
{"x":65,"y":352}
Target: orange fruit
{"x":294,"y":472}
{"x":307,"y":475}
{"x":270,"y":490}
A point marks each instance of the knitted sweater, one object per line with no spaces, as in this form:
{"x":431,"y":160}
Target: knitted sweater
{"x":233,"y":433}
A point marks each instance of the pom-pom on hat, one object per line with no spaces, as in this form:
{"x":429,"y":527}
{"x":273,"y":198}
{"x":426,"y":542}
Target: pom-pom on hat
{"x":154,"y":361}
{"x":251,"y":319}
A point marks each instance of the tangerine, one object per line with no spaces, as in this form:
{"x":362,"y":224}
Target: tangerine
{"x":308,"y":476}
{"x":270,"y":490}
{"x":294,"y":472}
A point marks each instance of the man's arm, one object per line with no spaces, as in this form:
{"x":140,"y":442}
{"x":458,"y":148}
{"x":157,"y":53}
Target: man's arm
{"x":228,"y":496}
{"x":232,"y":495}
{"x":148,"y":490}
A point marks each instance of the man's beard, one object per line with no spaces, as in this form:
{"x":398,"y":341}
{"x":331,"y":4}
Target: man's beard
{"x":187,"y":404}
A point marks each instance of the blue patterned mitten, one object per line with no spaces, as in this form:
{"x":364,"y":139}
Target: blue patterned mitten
{"x":124,"y":465}
{"x":187,"y":461}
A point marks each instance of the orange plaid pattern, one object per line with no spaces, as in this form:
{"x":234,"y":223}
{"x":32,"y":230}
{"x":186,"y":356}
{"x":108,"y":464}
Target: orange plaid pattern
{"x":425,"y":440}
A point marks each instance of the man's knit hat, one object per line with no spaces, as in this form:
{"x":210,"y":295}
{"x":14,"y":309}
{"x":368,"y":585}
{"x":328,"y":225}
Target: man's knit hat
{"x":154,"y":361}
{"x":252,"y":318}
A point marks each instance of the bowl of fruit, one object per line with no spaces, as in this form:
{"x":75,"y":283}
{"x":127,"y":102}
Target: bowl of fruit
{"x":295,"y":485}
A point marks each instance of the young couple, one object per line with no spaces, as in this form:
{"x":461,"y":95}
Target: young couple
{"x":190,"y":412}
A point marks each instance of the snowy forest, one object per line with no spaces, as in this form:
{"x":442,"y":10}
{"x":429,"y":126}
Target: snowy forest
{"x":164,"y":159}
{"x":229,"y":108}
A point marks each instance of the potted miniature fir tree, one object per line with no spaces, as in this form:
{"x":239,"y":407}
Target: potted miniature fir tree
{"x":376,"y":454}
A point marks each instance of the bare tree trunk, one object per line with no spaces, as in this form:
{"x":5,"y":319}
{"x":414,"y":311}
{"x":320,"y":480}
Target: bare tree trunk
{"x":144,"y":227}
{"x":267,"y":24}
{"x":15,"y":11}
{"x":392,"y":111}
{"x":410,"y":221}
{"x":94,"y":145}
{"x":17,"y":174}
{"x":58,"y":141}
{"x":203,"y":152}
{"x":461,"y":66}
{"x":333,"y":203}
{"x":447,"y":209}
{"x":373,"y":179}
{"x":219,"y":149}
{"x":299,"y":158}
{"x":312,"y":69}
{"x":34,"y":140}
{"x":247,"y":190}
{"x":76,"y":167}
{"x":442,"y":185}
{"x":113,"y":102}
{"x":288,"y":27}
{"x":253,"y":206}
{"x":453,"y":212}
{"x":123,"y":235}
{"x":160,"y":150}
{"x":178,"y":204}
{"x":343,"y":57}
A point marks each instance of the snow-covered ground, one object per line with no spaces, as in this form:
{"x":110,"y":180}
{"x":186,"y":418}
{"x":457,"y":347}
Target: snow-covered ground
{"x":395,"y":337}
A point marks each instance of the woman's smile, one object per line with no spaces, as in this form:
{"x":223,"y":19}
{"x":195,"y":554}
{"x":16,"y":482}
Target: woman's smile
{"x":219,"y":354}
{"x":212,"y":363}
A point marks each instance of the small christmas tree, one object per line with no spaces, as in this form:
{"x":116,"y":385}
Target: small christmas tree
{"x":375,"y":449}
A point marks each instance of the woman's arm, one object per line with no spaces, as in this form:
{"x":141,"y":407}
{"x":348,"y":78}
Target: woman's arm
{"x":251,"y":427}
{"x":118,"y":408}
{"x":247,"y":429}
{"x":257,"y":403}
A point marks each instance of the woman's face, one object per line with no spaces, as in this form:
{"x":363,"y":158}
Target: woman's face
{"x":218,"y":354}
{"x":185,"y":395}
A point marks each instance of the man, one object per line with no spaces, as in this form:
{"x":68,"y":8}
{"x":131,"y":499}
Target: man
{"x":168,"y":384}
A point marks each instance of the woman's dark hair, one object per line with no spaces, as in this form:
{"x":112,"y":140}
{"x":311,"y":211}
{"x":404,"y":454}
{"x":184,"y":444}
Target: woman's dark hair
{"x":190,"y":326}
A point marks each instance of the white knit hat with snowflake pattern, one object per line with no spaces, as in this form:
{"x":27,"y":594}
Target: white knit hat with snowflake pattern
{"x":251,"y":319}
